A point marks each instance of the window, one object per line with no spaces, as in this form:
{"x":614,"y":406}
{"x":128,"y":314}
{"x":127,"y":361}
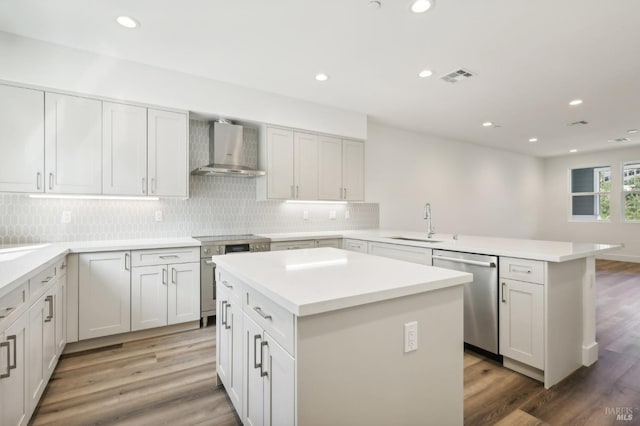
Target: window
{"x":590,"y":188}
{"x":631,"y":190}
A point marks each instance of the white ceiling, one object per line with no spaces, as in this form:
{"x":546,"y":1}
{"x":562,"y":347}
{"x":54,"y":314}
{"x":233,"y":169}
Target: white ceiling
{"x":531,"y":58}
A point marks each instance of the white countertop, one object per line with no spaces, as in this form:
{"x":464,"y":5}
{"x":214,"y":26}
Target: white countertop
{"x":551,"y":251}
{"x":18,"y":262}
{"x":311,"y":281}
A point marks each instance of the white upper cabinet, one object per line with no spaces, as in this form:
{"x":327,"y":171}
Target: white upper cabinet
{"x":305,"y":151}
{"x":329,"y":168}
{"x":168,"y":154}
{"x":73,"y":144}
{"x":21,"y":139}
{"x":280,"y":161}
{"x":124,"y":149}
{"x":353,"y":170}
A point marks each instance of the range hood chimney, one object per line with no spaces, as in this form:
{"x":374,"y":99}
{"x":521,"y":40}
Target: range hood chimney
{"x":227,"y":152}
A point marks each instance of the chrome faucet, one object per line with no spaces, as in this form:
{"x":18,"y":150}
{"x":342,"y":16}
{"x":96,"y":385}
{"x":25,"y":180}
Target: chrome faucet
{"x":427,"y":217}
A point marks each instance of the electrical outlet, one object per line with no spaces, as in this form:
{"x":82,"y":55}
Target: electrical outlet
{"x":66,"y":216}
{"x":347,"y":214}
{"x":305,"y":215}
{"x":332,"y":214}
{"x":411,"y":336}
{"x":158,"y":215}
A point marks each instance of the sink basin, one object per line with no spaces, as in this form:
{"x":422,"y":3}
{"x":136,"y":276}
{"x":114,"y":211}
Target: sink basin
{"x":422,"y":240}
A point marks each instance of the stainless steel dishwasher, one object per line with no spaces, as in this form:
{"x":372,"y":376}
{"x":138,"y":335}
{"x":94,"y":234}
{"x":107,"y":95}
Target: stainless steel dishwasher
{"x":480,"y":296}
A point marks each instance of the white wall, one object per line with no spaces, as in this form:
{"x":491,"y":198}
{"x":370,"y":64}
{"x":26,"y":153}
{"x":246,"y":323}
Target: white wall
{"x":35,"y":62}
{"x":554,"y":216}
{"x":473,"y":190}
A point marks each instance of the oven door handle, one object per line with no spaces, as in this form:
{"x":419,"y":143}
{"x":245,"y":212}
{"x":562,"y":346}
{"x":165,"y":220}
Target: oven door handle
{"x":209,"y":262}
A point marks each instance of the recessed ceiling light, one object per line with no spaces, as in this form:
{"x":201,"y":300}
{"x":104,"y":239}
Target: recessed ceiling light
{"x":575,"y":102}
{"x":487,"y":124}
{"x":127,"y":22}
{"x":632,"y":131}
{"x":421,"y":6}
{"x":533,"y":139}
{"x":425,"y":73}
{"x":374,"y":4}
{"x":322,"y":77}
{"x":573,"y":150}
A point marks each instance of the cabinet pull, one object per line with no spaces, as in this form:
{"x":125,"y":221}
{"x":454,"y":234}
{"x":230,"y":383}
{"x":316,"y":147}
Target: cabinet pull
{"x":345,"y":194}
{"x":6,"y":312}
{"x":164,"y":276}
{"x":518,"y":270}
{"x":297,"y":191}
{"x":38,"y":176}
{"x":226,"y":284}
{"x":127,"y":261}
{"x":169,"y":256}
{"x":210,"y":262}
{"x":49,"y":300}
{"x":174,"y":277}
{"x":153,"y":185}
{"x":503,"y":298}
{"x":262,"y":345}
{"x":50,"y":181}
{"x":223,"y":306}
{"x":258,"y":309}
{"x":8,"y":373}
{"x":64,"y":265}
{"x":46,"y":280}
{"x":15,"y":352}
{"x":255,"y":353}
{"x":226,"y":317}
{"x":144,"y":189}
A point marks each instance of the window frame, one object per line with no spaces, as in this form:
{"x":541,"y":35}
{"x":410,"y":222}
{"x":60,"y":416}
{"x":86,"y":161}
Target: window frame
{"x":623,"y":200}
{"x":595,"y":194}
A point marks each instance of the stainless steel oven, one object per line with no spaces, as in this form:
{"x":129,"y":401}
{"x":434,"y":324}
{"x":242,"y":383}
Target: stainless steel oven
{"x":217,"y":245}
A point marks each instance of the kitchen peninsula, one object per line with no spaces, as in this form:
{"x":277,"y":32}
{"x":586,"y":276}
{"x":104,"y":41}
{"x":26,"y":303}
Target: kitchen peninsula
{"x":323,"y":335}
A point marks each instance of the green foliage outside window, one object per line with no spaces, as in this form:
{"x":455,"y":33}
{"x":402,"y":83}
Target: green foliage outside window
{"x":632,"y":199}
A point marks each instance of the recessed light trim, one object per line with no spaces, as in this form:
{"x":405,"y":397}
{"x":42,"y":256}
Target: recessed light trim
{"x":631,"y":131}
{"x":533,"y":139}
{"x":487,"y":124}
{"x":573,"y":150}
{"x":425,"y":73}
{"x":575,"y":102}
{"x":421,"y":6}
{"x":322,"y":77}
{"x":127,"y":22}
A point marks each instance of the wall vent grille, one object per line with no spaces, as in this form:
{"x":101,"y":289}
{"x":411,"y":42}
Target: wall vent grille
{"x":457,"y":75}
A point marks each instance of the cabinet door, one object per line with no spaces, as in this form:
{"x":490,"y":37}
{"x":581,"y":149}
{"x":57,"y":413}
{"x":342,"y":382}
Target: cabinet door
{"x":353,"y":170}
{"x":73,"y":144}
{"x":37,"y":371}
{"x":305,"y":166}
{"x":253,"y":404}
{"x":280,"y":173}
{"x":329,"y":168}
{"x":124,"y":149}
{"x":14,"y":393}
{"x":104,"y":291}
{"x":522,"y":322}
{"x":168,"y":153}
{"x":279,"y":384}
{"x":60,"y":310}
{"x":21,"y":139}
{"x":184,"y":292}
{"x":50,"y":346}
{"x":223,"y":338}
{"x":149,"y":297}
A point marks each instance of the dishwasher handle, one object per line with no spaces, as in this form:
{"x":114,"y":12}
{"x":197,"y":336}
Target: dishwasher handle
{"x":465,"y":261}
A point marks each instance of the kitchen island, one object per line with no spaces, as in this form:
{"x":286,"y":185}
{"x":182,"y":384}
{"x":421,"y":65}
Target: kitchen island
{"x":326,"y":336}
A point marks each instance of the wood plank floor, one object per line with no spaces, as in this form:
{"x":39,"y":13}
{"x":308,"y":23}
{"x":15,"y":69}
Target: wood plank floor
{"x":170,"y":379}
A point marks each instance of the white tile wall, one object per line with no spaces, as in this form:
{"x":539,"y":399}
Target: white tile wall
{"x":217,"y":205}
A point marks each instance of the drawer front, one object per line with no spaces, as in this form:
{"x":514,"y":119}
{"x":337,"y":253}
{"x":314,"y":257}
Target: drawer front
{"x":228,"y":285}
{"x":39,"y":283}
{"x":531,"y":271}
{"x":275,"y":320}
{"x":165,"y":256}
{"x":333,"y":242}
{"x":12,"y":302}
{"x":355,"y":245}
{"x":400,"y":252}
{"x":292,"y":245}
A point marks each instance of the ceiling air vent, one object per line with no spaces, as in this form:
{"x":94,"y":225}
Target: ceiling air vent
{"x":457,"y":75}
{"x":620,"y":140}
{"x":578,"y":123}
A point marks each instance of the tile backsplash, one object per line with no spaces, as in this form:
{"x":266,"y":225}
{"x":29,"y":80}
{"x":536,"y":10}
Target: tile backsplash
{"x":217,"y":205}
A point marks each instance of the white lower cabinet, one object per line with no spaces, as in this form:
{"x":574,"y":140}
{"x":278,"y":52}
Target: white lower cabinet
{"x":522,"y":322}
{"x":401,"y":252}
{"x":355,"y":245}
{"x":104,"y":292}
{"x":330,"y":242}
{"x":269,"y":397}
{"x":164,"y":293}
{"x":14,"y":373}
{"x":305,"y":244}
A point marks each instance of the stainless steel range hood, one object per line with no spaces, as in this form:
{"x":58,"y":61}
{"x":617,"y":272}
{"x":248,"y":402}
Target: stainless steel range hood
{"x":229,"y":152}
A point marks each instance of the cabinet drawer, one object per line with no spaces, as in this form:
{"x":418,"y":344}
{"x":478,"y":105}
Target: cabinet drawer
{"x":165,"y":256}
{"x":227,"y":284}
{"x":11,"y":302}
{"x":292,"y":245}
{"x":531,"y":271}
{"x":38,"y":283}
{"x":274,"y":319}
{"x":333,"y":242}
{"x":355,"y":245}
{"x":401,"y":252}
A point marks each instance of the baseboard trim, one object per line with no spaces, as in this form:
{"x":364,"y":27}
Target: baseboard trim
{"x":590,"y":354}
{"x":521,"y":368}
{"x":98,"y":342}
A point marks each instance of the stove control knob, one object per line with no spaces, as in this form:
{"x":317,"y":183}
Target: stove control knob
{"x":207,"y":251}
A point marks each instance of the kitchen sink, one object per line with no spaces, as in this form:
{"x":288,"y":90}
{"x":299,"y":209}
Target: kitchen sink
{"x":422,"y":240}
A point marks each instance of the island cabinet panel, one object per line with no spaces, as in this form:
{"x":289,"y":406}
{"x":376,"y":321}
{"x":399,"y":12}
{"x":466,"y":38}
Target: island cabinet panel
{"x":14,"y":373}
